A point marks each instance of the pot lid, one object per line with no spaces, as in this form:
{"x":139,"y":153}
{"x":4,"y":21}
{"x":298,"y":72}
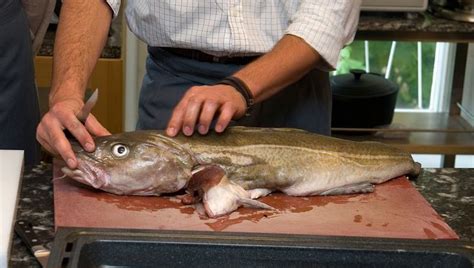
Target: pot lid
{"x":358,"y":83}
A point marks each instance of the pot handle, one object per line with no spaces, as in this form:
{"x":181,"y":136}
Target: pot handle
{"x":357,"y":73}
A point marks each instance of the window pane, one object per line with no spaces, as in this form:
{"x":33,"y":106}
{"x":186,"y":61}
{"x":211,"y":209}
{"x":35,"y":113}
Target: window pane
{"x":404,"y":69}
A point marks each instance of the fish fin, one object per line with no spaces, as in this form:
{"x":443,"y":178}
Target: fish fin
{"x":59,"y":178}
{"x":254,"y":203}
{"x":198,"y":168}
{"x":416,"y":171}
{"x":259,"y":192}
{"x":204,"y":177}
{"x":220,"y":196}
{"x":363,"y":187}
{"x":223,"y":198}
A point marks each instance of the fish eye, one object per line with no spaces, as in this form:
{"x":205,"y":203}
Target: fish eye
{"x":120,"y":150}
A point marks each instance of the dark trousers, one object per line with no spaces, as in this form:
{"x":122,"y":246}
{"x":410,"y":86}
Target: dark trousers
{"x":305,"y":104}
{"x":19,"y":110}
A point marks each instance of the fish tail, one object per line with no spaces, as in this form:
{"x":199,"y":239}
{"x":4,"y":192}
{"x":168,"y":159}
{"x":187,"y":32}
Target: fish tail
{"x":416,"y":171}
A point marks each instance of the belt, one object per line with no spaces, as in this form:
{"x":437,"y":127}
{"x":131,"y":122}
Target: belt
{"x":201,"y":56}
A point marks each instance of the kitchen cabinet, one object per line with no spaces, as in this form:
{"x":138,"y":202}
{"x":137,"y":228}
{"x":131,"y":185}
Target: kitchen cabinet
{"x":448,"y":133}
{"x":107,"y":76}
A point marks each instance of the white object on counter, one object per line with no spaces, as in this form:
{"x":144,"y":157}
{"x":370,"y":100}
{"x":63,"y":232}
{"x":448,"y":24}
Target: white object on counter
{"x":11,"y":163}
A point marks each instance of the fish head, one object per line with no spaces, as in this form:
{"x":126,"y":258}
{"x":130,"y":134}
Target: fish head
{"x":133,"y":163}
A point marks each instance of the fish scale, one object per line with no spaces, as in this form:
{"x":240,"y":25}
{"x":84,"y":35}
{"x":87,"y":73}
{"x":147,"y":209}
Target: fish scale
{"x":299,"y":150}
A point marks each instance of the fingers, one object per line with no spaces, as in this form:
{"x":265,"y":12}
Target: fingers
{"x":51,"y":136}
{"x":193,"y":110}
{"x":176,"y":121}
{"x":78,"y":130}
{"x":50,"y":131}
{"x":227,"y":112}
{"x":207,"y":114}
{"x":94,"y":127}
{"x":201,"y":104}
{"x":184,"y":116}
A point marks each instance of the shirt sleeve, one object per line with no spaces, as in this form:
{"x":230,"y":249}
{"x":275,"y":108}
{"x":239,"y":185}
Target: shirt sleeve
{"x":326,"y":25}
{"x":115,"y":6}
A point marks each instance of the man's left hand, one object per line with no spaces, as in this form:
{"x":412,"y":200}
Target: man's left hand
{"x":201,"y":104}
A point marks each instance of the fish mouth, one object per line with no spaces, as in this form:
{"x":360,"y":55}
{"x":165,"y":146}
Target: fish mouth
{"x":87,"y":174}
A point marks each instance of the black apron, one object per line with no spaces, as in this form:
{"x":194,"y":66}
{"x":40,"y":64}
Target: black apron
{"x":19,"y":109}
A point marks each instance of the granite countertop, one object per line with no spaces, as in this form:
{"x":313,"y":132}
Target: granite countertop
{"x":371,"y":25}
{"x":450,"y":192}
{"x":422,"y":22}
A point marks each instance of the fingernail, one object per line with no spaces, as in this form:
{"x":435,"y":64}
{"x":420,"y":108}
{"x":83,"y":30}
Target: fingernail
{"x":202,"y":129}
{"x":89,"y":147}
{"x":71,"y":162}
{"x":171,"y":131}
{"x":187,"y":131}
{"x":219,"y":128}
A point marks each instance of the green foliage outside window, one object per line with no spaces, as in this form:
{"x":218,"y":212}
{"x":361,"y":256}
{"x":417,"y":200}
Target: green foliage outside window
{"x":404,"y":68}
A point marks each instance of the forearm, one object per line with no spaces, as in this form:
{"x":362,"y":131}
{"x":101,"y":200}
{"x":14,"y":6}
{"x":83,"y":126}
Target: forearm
{"x":81,"y":35}
{"x":289,"y":60}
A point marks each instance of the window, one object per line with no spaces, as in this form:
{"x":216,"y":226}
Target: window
{"x":423,"y":71}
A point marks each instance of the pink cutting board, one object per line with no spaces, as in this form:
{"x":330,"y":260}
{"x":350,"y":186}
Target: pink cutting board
{"x":395,"y":210}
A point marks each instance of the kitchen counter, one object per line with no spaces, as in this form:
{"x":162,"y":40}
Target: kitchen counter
{"x":412,"y":26}
{"x":450,"y":192}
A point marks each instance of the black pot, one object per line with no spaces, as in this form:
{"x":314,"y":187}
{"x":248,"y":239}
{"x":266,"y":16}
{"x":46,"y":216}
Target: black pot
{"x":362,"y":100}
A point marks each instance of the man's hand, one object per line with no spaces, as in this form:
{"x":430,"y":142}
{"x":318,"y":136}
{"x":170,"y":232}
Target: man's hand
{"x":62,"y":115}
{"x":80,"y":37}
{"x":201,"y":104}
{"x":265,"y":77}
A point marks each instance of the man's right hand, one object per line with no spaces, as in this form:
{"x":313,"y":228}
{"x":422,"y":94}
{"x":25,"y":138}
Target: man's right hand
{"x":62,"y":115}
{"x":80,"y":37}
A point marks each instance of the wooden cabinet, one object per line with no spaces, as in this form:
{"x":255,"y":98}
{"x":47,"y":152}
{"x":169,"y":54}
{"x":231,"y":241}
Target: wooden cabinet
{"x":107,"y":77}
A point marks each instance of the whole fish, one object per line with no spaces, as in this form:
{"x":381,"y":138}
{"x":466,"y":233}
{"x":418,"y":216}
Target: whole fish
{"x":232,"y":169}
